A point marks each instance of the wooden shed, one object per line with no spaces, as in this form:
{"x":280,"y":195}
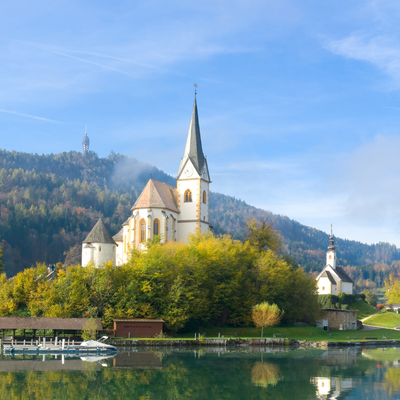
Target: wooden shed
{"x":137,"y":328}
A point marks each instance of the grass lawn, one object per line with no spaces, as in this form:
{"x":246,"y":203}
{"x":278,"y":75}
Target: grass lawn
{"x":364,"y":309}
{"x":383,"y":355}
{"x":386,"y":320}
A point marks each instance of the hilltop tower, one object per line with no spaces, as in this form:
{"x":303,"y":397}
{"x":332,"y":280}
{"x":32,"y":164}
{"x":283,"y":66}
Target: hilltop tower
{"x":85,"y":143}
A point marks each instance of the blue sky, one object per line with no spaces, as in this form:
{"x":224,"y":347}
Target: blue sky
{"x":299,"y":102}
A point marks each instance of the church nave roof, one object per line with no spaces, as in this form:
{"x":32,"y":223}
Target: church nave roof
{"x":157,"y":195}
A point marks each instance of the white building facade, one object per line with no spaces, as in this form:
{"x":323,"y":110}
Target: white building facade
{"x":99,"y":247}
{"x":168,"y":212}
{"x":333,"y":279}
{"x":171,"y":212}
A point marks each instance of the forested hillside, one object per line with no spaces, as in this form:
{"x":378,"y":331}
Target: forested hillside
{"x":48,"y":203}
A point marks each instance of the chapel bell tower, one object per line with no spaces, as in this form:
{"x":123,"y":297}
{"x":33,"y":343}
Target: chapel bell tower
{"x":331,"y":253}
{"x":193,"y":182}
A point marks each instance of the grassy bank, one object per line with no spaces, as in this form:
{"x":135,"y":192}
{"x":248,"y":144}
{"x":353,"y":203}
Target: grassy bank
{"x":386,"y":320}
{"x":292,"y":332}
{"x":363,"y":308}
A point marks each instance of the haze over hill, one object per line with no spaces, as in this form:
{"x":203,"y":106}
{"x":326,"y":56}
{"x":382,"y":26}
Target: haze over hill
{"x":49,"y":203}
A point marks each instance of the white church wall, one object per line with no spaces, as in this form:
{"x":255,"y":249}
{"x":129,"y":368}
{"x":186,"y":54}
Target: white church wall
{"x":87,"y":255}
{"x":331,"y":259}
{"x":119,"y":253}
{"x":324,"y":285}
{"x":103,"y":253}
{"x":347,"y":287}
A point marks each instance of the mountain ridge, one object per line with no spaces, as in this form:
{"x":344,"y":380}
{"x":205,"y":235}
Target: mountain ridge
{"x":49,"y":203}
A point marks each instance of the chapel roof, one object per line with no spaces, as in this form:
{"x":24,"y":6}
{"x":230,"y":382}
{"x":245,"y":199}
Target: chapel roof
{"x":99,"y":234}
{"x":119,"y":237}
{"x":193,"y":149}
{"x":328,"y":275}
{"x":157,"y":195}
{"x":341,"y":273}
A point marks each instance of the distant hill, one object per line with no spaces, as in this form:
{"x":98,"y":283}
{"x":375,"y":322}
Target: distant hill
{"x":49,"y":203}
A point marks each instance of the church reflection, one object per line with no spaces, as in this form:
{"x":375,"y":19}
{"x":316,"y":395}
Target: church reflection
{"x":333,"y":387}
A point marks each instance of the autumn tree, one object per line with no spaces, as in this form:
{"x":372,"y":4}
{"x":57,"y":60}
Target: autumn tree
{"x":265,"y":314}
{"x":392,"y":290}
{"x":73,"y":255}
{"x":89,"y":329}
{"x":1,"y":260}
{"x":262,"y":235}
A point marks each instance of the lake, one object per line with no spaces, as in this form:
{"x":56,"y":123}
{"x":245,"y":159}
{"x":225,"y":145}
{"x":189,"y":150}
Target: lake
{"x":206,"y":373}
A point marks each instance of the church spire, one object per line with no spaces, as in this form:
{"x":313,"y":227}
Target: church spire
{"x":331,"y":241}
{"x":193,"y":149}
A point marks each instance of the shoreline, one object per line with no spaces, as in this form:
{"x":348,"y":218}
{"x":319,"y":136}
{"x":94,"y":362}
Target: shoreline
{"x":268,"y":342}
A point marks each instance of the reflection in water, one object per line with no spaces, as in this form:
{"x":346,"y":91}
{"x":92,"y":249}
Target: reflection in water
{"x":265,"y":374}
{"x":392,"y":380}
{"x":332,"y":388}
{"x":217,"y":373}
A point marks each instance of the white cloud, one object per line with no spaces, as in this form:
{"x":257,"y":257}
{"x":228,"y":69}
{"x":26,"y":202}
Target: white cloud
{"x":27,"y":116}
{"x":381,"y":51}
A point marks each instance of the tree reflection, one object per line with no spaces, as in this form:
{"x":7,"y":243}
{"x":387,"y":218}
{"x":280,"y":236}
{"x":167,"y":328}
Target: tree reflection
{"x":265,"y":374}
{"x":392,"y":380}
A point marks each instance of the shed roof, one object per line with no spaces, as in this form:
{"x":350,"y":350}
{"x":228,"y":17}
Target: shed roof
{"x":138,"y":320}
{"x":99,"y":234}
{"x":72,"y":324}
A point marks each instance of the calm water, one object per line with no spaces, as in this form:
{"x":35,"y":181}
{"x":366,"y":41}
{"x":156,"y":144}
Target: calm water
{"x":346,"y":373}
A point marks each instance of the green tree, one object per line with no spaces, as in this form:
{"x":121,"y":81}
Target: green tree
{"x":370,"y":297}
{"x":89,"y":329}
{"x":263,"y":236}
{"x":265,"y":314}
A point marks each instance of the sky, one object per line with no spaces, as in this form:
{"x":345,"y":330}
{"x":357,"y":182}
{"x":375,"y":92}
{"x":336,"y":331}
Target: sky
{"x":299,"y":101}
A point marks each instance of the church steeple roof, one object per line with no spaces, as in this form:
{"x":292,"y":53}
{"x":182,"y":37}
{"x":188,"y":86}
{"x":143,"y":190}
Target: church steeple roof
{"x":99,"y":234}
{"x":331,"y":241}
{"x":193,"y":149}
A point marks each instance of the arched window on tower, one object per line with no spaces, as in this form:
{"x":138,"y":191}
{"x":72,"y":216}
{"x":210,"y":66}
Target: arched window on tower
{"x":188,"y":196}
{"x":156,"y":227}
{"x":204,"y":197}
{"x":142,"y":230}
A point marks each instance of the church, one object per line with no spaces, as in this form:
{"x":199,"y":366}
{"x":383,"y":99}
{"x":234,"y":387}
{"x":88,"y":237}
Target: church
{"x":333,"y":279}
{"x":161,"y":209}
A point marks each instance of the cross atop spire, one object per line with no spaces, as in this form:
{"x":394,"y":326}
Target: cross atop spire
{"x":193,"y":149}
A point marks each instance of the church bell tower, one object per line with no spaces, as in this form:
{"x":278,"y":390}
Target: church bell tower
{"x":193,"y":182}
{"x":331,"y":253}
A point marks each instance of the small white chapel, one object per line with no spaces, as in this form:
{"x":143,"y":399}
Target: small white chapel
{"x":161,"y":209}
{"x":333,"y":279}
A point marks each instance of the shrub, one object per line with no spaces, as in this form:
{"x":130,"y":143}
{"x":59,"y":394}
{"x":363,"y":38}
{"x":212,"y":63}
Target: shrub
{"x":362,"y":296}
{"x":379,"y":307}
{"x":345,"y":307}
{"x":346,"y":298}
{"x":328,"y":300}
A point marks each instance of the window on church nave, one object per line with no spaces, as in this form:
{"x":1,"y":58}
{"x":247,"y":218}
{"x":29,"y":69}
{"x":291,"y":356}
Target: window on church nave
{"x":142,"y":231}
{"x":188,"y":196}
{"x":204,"y":197}
{"x":156,"y":227}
